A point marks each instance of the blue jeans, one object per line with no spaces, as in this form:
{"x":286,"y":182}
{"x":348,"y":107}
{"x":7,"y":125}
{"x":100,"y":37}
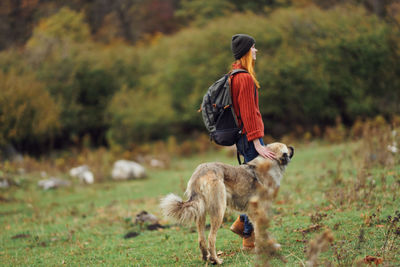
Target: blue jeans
{"x":247,"y":149}
{"x":249,"y":152}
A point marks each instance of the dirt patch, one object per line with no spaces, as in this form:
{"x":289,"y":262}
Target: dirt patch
{"x":155,"y":226}
{"x":21,"y":236}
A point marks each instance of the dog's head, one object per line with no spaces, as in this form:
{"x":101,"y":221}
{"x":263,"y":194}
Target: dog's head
{"x":262,"y":166}
{"x":282,"y":152}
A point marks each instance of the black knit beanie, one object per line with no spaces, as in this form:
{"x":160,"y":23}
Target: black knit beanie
{"x":241,"y":44}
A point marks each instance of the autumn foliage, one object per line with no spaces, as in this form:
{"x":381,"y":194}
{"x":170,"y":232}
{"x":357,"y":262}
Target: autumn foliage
{"x":125,"y":78}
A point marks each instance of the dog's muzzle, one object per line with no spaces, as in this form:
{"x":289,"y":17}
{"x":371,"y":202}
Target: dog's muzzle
{"x":285,"y":159}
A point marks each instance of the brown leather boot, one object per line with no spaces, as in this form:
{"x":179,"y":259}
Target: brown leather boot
{"x":248,"y":242}
{"x":238,"y":227}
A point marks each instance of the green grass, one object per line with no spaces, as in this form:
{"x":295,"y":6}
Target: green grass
{"x":85,"y":225}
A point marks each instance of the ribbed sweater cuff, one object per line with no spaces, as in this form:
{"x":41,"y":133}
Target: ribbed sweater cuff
{"x":254,"y":135}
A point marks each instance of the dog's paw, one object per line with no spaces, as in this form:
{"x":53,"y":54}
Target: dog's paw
{"x":206,"y":256}
{"x":216,"y":260}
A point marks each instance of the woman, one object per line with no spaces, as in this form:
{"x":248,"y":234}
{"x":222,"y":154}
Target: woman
{"x":245,"y":102}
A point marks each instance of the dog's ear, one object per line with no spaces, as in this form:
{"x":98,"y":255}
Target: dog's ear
{"x":291,"y":151}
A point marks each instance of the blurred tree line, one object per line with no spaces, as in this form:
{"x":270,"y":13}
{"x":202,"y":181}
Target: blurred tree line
{"x":104,"y":72}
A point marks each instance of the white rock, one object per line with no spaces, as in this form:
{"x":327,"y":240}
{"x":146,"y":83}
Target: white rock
{"x":4,"y":184}
{"x":155,"y":163}
{"x":87,"y":177}
{"x":53,"y":183}
{"x":74,"y":172}
{"x":125,"y":169}
{"x":83,"y":173}
{"x":145,"y":217}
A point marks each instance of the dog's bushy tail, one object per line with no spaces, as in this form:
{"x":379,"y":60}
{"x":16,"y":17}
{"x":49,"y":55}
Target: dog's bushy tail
{"x":186,"y":212}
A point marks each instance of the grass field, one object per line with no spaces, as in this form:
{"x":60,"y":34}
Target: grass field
{"x":325,"y":187}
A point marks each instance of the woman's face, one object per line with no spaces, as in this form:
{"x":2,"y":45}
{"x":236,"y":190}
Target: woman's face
{"x":254,"y":52}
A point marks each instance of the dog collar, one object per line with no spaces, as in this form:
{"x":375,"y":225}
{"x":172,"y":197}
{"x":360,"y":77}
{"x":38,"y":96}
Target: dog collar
{"x":253,"y":172}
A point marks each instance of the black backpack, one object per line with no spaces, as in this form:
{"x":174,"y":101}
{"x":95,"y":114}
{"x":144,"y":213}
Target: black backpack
{"x":218,"y":114}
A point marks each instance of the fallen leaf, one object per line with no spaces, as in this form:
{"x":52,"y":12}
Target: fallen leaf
{"x":313,"y":227}
{"x":380,"y":225}
{"x":21,"y":236}
{"x":328,"y":208}
{"x":373,"y":259}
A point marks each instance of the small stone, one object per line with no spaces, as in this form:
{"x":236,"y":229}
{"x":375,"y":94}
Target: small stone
{"x":145,"y":217}
{"x":53,"y":183}
{"x":4,"y":184}
{"x":125,"y":169}
{"x":83,"y":173}
{"x":155,"y":163}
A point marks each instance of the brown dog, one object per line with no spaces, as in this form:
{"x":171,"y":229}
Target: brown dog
{"x":214,"y":186}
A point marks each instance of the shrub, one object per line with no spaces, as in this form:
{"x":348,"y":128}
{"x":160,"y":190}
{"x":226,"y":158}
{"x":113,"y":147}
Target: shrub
{"x":80,"y":74}
{"x":314,"y":66}
{"x":55,"y":34}
{"x":137,"y":115}
{"x":28,"y":114}
{"x":324,"y":64}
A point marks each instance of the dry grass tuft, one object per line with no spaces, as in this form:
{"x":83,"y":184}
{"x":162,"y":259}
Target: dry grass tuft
{"x":336,"y":134}
{"x":379,"y":143}
{"x":266,"y":246}
{"x":318,"y":245}
{"x":377,"y":149}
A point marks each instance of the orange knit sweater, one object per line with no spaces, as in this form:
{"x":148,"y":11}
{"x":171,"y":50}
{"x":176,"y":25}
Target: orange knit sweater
{"x":245,"y":103}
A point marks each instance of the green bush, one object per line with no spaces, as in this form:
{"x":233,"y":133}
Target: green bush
{"x":328,"y":64}
{"x":137,"y":115}
{"x":313,"y":65}
{"x":78,"y":73}
{"x":27,"y":112}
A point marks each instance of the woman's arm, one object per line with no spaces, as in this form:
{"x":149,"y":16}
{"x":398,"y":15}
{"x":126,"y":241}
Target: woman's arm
{"x":250,"y":114}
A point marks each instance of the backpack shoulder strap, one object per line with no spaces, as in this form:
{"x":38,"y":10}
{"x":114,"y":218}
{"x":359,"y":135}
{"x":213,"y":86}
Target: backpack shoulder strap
{"x":231,"y":74}
{"x":235,"y":71}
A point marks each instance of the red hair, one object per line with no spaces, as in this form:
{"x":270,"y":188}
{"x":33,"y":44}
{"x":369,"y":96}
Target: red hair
{"x":247,"y":62}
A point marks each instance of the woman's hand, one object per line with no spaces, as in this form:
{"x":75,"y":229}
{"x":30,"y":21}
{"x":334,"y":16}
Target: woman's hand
{"x":263,"y":150}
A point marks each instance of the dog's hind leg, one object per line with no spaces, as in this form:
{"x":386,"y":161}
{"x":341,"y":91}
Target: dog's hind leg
{"x":216,"y":210}
{"x":202,"y":236}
